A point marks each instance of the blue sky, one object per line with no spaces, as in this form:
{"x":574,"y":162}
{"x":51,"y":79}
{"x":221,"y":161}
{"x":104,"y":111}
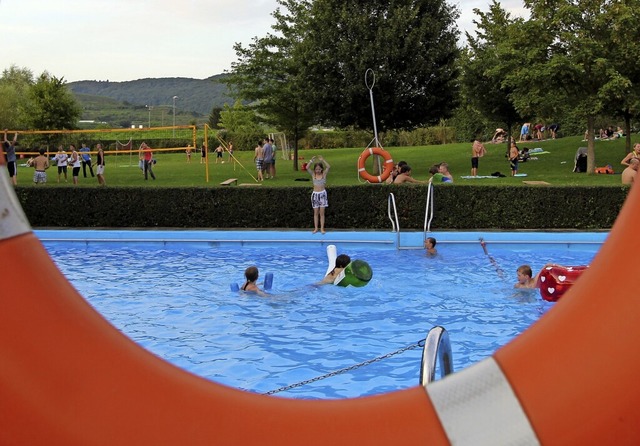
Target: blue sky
{"x":121,"y":40}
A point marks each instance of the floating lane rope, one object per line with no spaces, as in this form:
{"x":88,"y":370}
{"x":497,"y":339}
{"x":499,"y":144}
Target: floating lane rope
{"x":492,"y":260}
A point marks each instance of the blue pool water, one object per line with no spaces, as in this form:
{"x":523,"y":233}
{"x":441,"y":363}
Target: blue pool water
{"x":170,"y":292}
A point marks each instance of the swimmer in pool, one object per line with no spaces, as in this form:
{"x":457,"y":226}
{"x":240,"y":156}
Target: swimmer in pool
{"x":525,"y":279}
{"x":430,"y":246}
{"x":251,"y":275}
{"x":341,"y":263}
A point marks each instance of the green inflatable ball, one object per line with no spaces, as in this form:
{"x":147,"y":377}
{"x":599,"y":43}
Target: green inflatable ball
{"x":357,"y":273}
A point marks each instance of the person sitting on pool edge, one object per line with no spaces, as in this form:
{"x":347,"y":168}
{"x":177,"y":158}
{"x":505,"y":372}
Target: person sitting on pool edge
{"x":251,"y":275}
{"x":430,"y":246}
{"x":341,"y":263}
{"x":405,"y":176}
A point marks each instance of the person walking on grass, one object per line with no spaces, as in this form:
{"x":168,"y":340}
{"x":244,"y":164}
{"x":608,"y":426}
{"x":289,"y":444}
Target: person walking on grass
{"x":318,"y":171}
{"x":267,"y":150}
{"x":147,"y":158}
{"x":86,"y":160}
{"x":258,"y":158}
{"x":100,"y":164}
{"x":10,"y":155}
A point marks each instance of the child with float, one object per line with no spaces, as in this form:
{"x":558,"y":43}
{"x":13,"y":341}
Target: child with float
{"x":251,"y":275}
{"x":342,"y":271}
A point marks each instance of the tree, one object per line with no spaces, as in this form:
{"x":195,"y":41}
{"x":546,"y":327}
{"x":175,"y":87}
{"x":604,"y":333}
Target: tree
{"x":411,"y":45}
{"x":311,"y":68}
{"x":14,"y":97}
{"x":625,"y":47}
{"x":268,"y":73}
{"x":53,"y":106}
{"x":568,"y":62}
{"x":214,"y":117}
{"x":484,"y":72}
{"x":240,"y":125}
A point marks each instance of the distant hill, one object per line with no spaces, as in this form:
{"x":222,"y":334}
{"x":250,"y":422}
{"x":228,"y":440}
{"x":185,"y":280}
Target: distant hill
{"x":193,"y":95}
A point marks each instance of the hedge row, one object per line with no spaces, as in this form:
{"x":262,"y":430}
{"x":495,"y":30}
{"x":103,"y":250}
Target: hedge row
{"x":350,"y":207}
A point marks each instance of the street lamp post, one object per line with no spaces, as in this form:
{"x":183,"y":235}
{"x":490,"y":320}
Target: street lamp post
{"x":174,"y":115}
{"x":150,"y":107}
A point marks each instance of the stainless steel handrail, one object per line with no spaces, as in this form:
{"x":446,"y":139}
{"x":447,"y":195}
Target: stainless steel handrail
{"x":437,"y":347}
{"x":395,"y":223}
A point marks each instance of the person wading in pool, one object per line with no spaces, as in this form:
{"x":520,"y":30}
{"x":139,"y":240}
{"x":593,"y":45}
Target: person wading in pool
{"x":341,"y":263}
{"x":430,"y":246}
{"x":251,"y":275}
{"x":525,"y":276}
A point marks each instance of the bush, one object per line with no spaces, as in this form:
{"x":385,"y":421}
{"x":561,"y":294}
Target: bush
{"x":350,"y":207}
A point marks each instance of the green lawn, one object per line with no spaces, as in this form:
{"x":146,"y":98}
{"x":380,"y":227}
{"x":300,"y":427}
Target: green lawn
{"x":172,"y":170}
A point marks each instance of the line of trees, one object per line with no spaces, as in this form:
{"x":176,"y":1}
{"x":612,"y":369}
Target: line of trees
{"x":43,"y":103}
{"x":571,"y":59}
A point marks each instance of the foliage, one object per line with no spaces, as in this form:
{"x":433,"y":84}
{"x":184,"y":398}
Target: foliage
{"x":626,"y":52}
{"x":44,"y":103}
{"x":365,"y":207}
{"x":214,"y":117}
{"x":311,"y":68}
{"x":570,"y":61}
{"x":268,"y":73}
{"x":52,"y":106}
{"x":14,"y":97}
{"x":410,"y":45}
{"x":483,"y":80}
{"x":238,"y":119}
{"x":330,"y":139}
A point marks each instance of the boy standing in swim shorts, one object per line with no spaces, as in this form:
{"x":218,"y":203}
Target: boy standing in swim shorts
{"x":40,"y":163}
{"x":477,"y":150}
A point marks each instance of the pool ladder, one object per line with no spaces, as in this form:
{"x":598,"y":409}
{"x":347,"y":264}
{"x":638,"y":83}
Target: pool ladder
{"x":392,"y":213}
{"x":437,"y":348}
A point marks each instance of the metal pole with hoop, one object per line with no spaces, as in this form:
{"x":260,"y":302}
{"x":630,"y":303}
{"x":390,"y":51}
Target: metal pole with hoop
{"x":369,"y":73}
{"x":373,"y":108}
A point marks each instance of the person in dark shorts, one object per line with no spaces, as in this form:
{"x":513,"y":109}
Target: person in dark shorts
{"x":10,"y":154}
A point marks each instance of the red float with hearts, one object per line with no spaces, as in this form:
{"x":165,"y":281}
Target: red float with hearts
{"x":555,"y":280}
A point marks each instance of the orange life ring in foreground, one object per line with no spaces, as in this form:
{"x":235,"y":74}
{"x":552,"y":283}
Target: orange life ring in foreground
{"x":68,"y":377}
{"x":555,"y":280}
{"x":388,"y":164}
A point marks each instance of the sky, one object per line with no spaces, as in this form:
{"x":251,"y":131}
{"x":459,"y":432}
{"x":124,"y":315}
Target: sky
{"x":123,"y":40}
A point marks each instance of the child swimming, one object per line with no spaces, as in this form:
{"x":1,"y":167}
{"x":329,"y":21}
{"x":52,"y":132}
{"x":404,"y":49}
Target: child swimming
{"x":341,"y":263}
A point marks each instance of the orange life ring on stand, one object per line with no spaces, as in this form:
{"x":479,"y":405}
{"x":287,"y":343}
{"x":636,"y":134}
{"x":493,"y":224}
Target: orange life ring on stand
{"x":68,"y":377}
{"x":388,"y":164}
{"x":556,"y":280}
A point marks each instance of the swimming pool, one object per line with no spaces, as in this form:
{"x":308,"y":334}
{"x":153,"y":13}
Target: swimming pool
{"x":169,"y":291}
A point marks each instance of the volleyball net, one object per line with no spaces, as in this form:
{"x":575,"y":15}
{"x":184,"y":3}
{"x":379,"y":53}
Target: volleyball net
{"x":119,"y":141}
